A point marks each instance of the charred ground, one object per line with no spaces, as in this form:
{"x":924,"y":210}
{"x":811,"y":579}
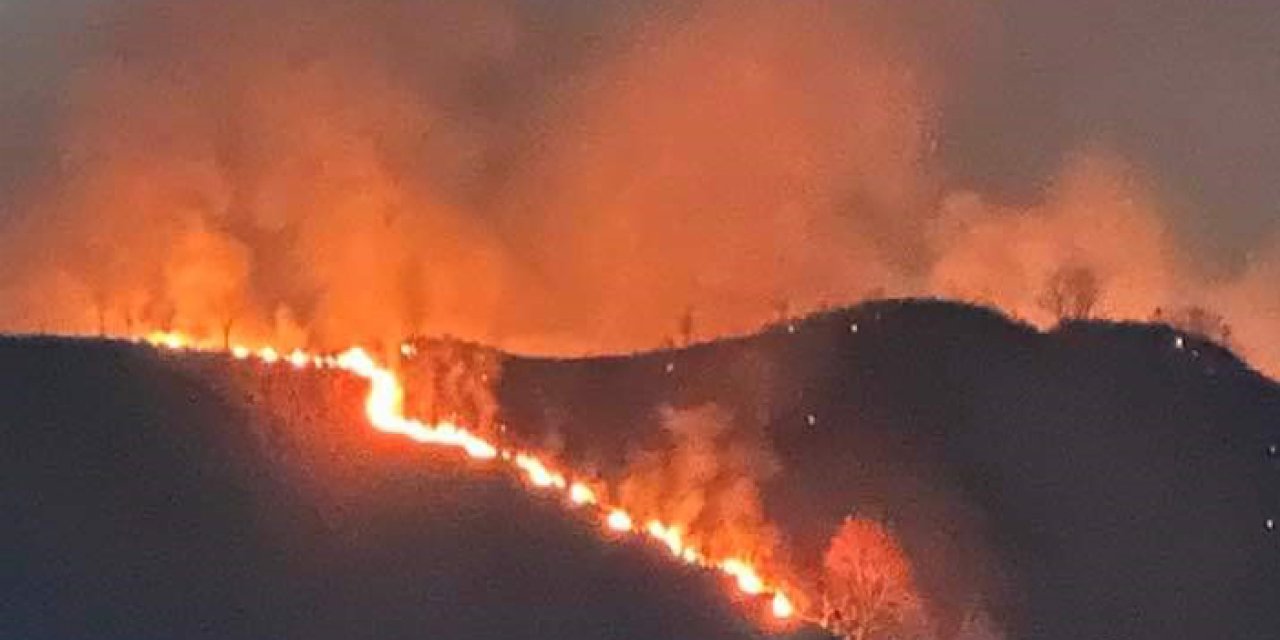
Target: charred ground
{"x":1100,"y":480}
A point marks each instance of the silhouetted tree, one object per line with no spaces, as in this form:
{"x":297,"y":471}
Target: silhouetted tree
{"x":100,"y":303}
{"x":1071,"y":293}
{"x":686,"y":327}
{"x":227,"y":323}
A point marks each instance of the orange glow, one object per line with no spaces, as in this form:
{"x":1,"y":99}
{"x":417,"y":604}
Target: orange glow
{"x":538,"y":473}
{"x":619,"y":521}
{"x":580,"y":494}
{"x":782,"y":607}
{"x":748,"y":581}
{"x":168,"y":339}
{"x":384,"y":409}
{"x":670,"y":536}
{"x":386,"y":400}
{"x":299,"y":359}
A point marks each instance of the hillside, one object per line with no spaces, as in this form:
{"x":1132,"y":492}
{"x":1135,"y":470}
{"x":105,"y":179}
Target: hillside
{"x":148,"y":496}
{"x":1102,"y":480}
{"x":1098,"y":481}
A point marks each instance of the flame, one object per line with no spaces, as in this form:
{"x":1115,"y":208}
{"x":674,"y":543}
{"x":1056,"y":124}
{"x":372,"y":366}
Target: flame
{"x":384,"y":408}
{"x":386,"y":400}
{"x":619,"y":521}
{"x":748,"y":581}
{"x":538,"y":473}
{"x":299,"y":359}
{"x":580,"y":494}
{"x":782,"y":607}
{"x":168,"y":339}
{"x":669,"y":536}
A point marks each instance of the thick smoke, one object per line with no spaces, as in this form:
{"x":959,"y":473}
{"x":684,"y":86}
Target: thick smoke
{"x":563,"y":178}
{"x":706,"y":481}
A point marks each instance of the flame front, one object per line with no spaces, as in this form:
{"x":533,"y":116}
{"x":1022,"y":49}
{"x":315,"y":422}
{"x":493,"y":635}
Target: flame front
{"x":384,"y":408}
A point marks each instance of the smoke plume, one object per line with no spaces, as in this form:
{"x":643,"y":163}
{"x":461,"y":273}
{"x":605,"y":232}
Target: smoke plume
{"x":706,"y":480}
{"x":564,"y":178}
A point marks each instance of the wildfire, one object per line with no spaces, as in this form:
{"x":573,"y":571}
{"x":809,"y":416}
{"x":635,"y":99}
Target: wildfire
{"x":619,"y":520}
{"x":384,"y":410}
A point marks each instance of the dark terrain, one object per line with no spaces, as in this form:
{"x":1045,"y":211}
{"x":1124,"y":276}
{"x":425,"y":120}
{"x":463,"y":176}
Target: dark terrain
{"x":1096,"y":481}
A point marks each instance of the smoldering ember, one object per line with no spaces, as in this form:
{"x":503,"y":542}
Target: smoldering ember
{"x":639,"y":319}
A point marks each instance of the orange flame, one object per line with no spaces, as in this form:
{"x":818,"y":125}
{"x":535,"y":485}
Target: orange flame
{"x":619,"y":520}
{"x":384,"y":409}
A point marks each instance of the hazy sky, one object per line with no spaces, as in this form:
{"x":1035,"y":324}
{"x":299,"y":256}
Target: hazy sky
{"x":1188,"y":89}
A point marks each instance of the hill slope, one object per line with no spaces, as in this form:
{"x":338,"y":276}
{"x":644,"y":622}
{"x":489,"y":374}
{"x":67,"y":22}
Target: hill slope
{"x":151,"y":496}
{"x":1101,"y":480}
{"x":1098,"y":481}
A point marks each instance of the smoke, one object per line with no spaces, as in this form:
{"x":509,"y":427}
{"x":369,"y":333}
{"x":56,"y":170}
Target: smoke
{"x":706,"y":480}
{"x":1097,"y":215}
{"x":760,"y":154}
{"x":1101,"y":214}
{"x":554,"y":178}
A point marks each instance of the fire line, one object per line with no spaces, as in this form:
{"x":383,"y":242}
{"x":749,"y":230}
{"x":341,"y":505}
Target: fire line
{"x":384,"y":410}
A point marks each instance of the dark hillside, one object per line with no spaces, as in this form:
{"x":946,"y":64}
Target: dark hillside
{"x":1099,"y":481}
{"x":149,"y":496}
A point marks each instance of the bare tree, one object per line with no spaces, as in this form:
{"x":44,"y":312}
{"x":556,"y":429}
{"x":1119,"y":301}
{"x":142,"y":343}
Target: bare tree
{"x":1071,"y":293}
{"x":100,"y":302}
{"x":227,"y":323}
{"x":869,"y":589}
{"x":686,"y":327}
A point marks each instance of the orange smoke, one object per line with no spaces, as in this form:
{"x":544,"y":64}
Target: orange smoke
{"x":231,"y":173}
{"x":384,"y":410}
{"x":1098,"y":215}
{"x":237,"y":175}
{"x":705,"y":486}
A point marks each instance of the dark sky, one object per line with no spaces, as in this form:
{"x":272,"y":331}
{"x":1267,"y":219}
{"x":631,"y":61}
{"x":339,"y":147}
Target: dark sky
{"x":1189,"y":89}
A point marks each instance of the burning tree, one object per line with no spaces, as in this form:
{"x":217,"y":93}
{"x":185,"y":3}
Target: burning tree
{"x":869,"y":590}
{"x":1071,"y":293}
